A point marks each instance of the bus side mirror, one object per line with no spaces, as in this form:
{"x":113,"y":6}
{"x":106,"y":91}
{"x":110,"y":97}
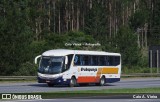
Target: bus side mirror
{"x":35,"y":60}
{"x":66,"y":59}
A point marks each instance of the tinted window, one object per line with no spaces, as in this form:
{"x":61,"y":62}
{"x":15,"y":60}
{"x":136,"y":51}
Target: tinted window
{"x":102,"y":61}
{"x":94,"y":60}
{"x":86,"y":60}
{"x":113,"y":60}
{"x":117,"y":60}
{"x":69,"y":61}
{"x":77,"y":60}
{"x":110,"y":60}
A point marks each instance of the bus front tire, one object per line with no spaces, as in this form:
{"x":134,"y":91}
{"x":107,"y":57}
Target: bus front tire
{"x":101,"y":82}
{"x":73,"y":82}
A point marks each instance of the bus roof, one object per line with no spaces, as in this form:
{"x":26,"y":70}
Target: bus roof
{"x":64,"y":52}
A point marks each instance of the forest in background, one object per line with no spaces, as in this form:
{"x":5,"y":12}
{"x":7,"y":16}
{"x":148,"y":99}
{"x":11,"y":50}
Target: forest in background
{"x":30,"y":27}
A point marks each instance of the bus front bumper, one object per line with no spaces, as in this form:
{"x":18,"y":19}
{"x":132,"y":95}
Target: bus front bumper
{"x":58,"y":80}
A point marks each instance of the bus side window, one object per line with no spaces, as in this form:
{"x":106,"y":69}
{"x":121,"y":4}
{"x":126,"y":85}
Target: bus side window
{"x":86,"y":60}
{"x":90,"y":60}
{"x":113,"y":60}
{"x":78,"y":60}
{"x":94,"y":60}
{"x":107,"y":60}
{"x":110,"y":60}
{"x":101,"y":60}
{"x":81,"y":60}
{"x":116,"y":60}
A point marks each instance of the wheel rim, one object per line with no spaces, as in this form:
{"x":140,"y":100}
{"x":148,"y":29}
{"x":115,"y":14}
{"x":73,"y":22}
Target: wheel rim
{"x":72,"y":83}
{"x":102,"y":81}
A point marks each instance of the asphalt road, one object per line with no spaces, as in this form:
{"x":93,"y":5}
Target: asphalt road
{"x":39,"y":87}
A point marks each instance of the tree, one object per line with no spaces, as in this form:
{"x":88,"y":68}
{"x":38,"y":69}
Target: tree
{"x":126,"y":44}
{"x":96,"y":21}
{"x":15,"y":34}
{"x":72,"y":37}
{"x":154,"y":32}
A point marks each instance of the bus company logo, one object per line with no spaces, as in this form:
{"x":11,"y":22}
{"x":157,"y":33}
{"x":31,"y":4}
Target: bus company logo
{"x":6,"y":96}
{"x":89,"y":69}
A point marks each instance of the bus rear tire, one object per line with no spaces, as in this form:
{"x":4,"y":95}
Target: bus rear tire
{"x":73,"y":82}
{"x":50,"y":84}
{"x":101,"y":82}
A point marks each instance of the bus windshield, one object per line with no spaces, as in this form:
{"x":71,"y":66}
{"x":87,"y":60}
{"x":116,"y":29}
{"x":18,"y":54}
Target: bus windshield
{"x":51,"y":65}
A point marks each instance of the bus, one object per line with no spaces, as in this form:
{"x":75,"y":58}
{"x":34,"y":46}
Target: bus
{"x":76,"y":67}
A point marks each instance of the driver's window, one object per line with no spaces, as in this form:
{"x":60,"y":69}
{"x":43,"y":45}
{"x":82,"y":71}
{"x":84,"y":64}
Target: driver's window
{"x":67,"y":66}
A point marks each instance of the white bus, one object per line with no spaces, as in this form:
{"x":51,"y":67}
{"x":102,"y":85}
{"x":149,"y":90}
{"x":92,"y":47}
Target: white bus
{"x":73,"y":67}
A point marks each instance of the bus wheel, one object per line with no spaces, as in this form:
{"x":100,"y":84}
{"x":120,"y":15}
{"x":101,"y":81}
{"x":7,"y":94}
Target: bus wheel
{"x":73,"y":82}
{"x":101,"y":82}
{"x":50,"y":84}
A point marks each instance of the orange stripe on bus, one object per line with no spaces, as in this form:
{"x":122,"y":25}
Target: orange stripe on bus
{"x":99,"y":72}
{"x":93,"y":79}
{"x":109,"y":71}
{"x":87,"y":79}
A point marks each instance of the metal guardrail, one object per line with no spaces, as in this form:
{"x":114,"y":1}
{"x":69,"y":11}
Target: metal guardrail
{"x":141,"y":75}
{"x":17,"y":78}
{"x":35,"y":77}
